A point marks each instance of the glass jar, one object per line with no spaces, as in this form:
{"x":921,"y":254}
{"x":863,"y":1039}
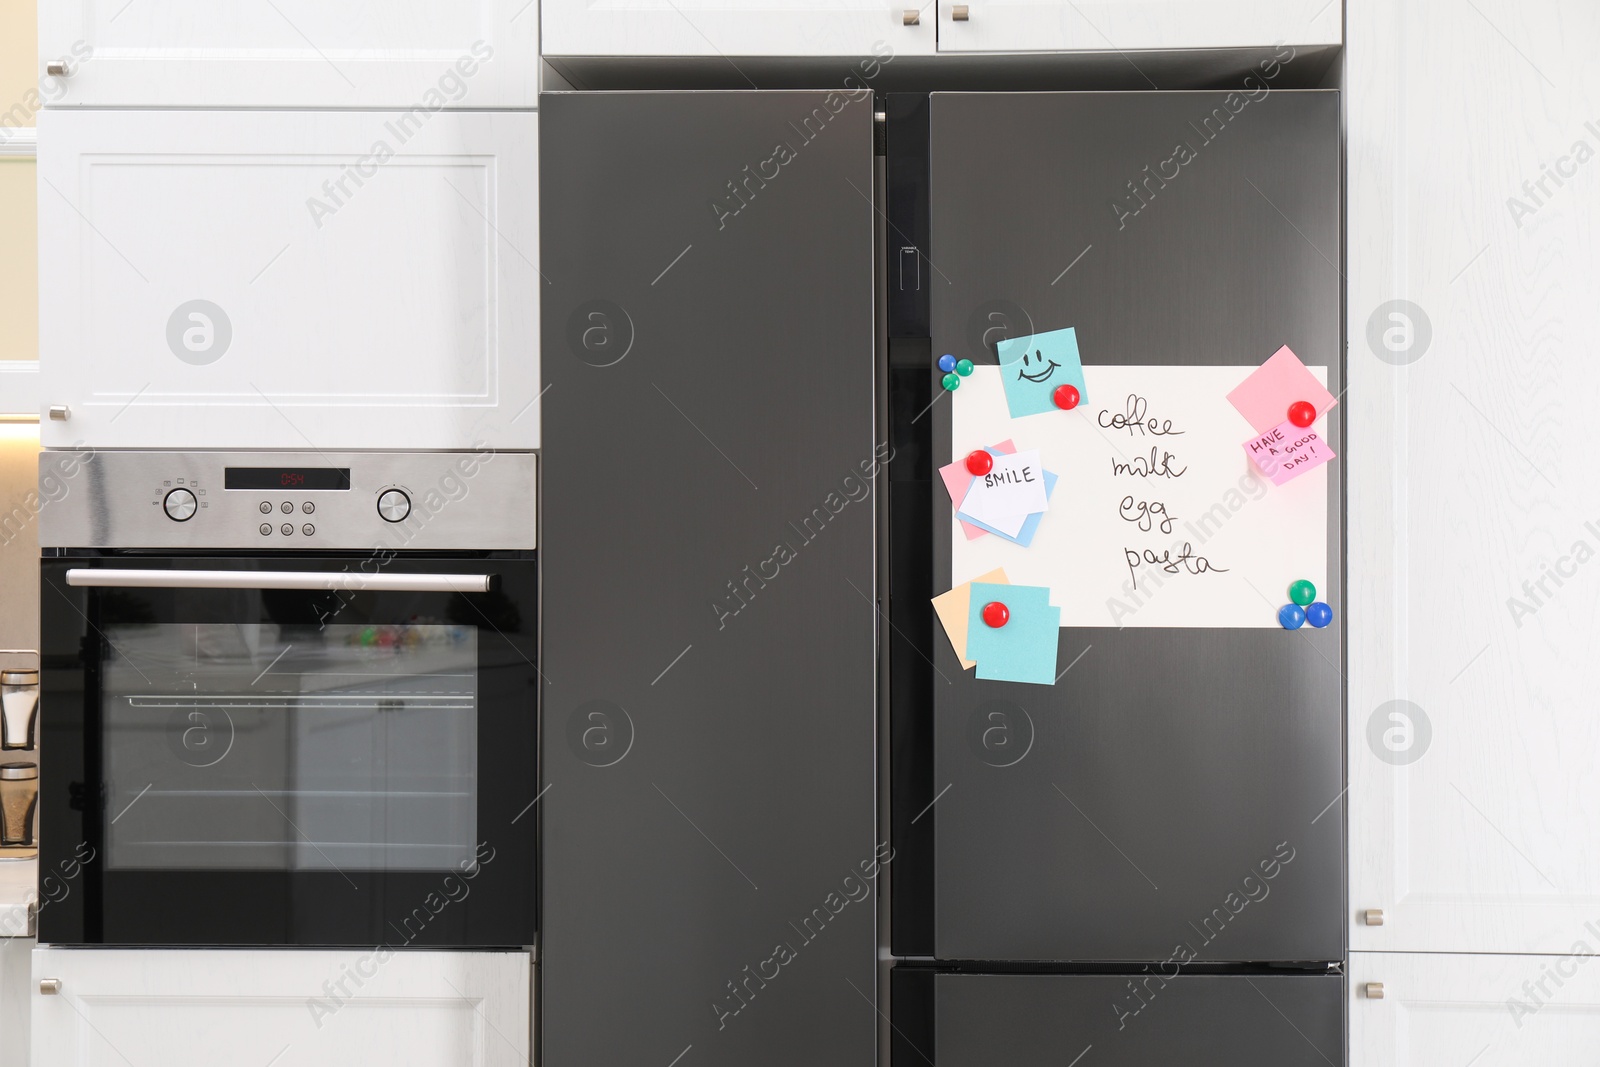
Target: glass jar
{"x":19,"y":797}
{"x":19,"y":708}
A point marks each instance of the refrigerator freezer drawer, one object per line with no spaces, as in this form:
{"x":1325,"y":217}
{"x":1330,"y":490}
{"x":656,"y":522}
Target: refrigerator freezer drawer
{"x":977,"y":1020}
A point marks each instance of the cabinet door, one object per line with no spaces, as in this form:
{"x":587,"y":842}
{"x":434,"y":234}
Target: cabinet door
{"x":710,"y":858}
{"x":291,"y":53}
{"x":196,"y":1008}
{"x":1473,"y":799}
{"x":289,"y":280}
{"x":1449,"y":1010}
{"x":752,"y":28}
{"x":1134,"y":25}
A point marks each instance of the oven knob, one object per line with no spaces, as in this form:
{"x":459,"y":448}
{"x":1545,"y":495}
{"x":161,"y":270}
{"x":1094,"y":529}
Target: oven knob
{"x":179,"y":505}
{"x":393,"y":505}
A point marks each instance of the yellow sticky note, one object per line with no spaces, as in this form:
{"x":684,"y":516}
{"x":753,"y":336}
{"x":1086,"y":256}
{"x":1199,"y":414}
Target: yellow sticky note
{"x":953,"y":608}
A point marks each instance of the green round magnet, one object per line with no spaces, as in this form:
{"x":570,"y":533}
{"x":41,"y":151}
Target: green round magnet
{"x":951,"y":381}
{"x":964,"y":367}
{"x":1302,"y":592}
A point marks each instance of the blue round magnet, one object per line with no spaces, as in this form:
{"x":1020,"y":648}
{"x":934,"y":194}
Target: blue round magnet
{"x":1292,"y":616}
{"x":947,"y":363}
{"x":1319,"y":615}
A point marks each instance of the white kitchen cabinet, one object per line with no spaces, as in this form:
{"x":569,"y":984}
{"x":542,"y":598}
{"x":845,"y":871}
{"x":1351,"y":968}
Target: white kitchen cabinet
{"x":1473,"y":533}
{"x":1134,"y":25}
{"x":290,"y":53}
{"x":1447,"y":1010}
{"x":858,"y":28}
{"x":289,"y":280}
{"x":201,"y":1007}
{"x":15,"y":999}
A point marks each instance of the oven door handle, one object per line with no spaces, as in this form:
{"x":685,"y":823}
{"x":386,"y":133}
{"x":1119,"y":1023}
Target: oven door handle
{"x":113,"y":578}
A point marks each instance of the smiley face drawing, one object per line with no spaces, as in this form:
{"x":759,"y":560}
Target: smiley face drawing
{"x":1032,"y":368}
{"x":1039,"y":369}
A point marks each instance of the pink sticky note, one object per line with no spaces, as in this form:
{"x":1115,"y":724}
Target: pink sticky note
{"x":1263,"y":398}
{"x":1287,"y":451}
{"x":957,"y":481}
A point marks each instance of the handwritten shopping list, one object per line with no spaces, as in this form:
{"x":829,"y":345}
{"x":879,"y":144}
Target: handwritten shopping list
{"x":1024,"y":649}
{"x":1012,"y":490}
{"x":1170,"y":524}
{"x":1035,"y":366}
{"x":1286,"y":451}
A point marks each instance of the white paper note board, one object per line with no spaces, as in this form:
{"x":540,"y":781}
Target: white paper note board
{"x":1128,"y":484}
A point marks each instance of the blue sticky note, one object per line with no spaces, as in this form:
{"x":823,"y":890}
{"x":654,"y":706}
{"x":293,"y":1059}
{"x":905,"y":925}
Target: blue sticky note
{"x":1033,"y":367}
{"x":1030,"y":525}
{"x":1024,"y":649}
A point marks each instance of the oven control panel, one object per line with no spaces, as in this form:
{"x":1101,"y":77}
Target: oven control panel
{"x":474,"y":500}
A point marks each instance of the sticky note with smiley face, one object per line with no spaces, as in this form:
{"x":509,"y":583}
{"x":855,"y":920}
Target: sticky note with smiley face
{"x":1032,"y":368}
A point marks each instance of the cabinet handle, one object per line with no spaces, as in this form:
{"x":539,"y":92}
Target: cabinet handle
{"x":56,"y":69}
{"x":958,"y":13}
{"x":1374,"y":990}
{"x":1372,"y":916}
{"x":911,"y":17}
{"x":60,"y":412}
{"x":49,"y":986}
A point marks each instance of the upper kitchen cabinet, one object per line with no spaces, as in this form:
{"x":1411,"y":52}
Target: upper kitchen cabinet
{"x":290,"y":53}
{"x":1134,"y":25}
{"x":289,"y":280}
{"x":753,"y":28}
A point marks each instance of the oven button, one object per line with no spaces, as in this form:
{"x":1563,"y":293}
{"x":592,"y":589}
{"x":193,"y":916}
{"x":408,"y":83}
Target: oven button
{"x":266,"y":528}
{"x":308,"y":507}
{"x":179,"y":505}
{"x":287,"y":508}
{"x":288,"y":528}
{"x":266,"y":507}
{"x":308,"y":529}
{"x":394,"y":505}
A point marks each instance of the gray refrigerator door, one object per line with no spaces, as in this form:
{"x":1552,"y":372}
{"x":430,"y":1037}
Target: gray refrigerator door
{"x":1170,"y":764}
{"x":707,"y":555}
{"x":1136,"y":1020}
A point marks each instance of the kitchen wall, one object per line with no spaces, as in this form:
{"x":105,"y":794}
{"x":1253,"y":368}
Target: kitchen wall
{"x":19,"y":329}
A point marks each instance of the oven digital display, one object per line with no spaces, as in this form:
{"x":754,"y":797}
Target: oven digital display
{"x":286,"y":478}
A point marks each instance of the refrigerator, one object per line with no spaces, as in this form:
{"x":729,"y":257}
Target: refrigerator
{"x":1153,"y":869}
{"x":767,"y":833}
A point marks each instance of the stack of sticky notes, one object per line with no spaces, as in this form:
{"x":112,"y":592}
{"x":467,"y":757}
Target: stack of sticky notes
{"x":1008,"y":501}
{"x":1282,"y":400}
{"x":1022,"y":648}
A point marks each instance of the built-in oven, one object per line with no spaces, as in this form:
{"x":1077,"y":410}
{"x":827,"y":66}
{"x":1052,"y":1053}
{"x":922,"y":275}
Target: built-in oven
{"x":289,"y":700}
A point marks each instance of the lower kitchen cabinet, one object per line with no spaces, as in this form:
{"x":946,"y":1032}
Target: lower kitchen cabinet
{"x":197,"y":1008}
{"x":1128,"y":1020}
{"x":1442,"y":1009}
{"x":14,"y":1000}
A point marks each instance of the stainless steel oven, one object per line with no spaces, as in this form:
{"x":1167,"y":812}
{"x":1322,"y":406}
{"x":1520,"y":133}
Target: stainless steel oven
{"x":289,"y":699}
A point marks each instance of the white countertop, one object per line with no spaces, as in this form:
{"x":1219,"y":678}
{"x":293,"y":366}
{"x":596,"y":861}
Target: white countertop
{"x":19,"y":885}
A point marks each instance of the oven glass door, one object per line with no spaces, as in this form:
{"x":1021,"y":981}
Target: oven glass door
{"x":235,"y":763}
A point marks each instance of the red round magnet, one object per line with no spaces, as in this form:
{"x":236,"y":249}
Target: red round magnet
{"x":996,"y":614}
{"x":979,"y":463}
{"x":1066,"y":397}
{"x":1302,"y":413}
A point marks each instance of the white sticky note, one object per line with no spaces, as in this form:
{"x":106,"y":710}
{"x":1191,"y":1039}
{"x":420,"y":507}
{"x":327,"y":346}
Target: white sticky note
{"x":1011,"y":491}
